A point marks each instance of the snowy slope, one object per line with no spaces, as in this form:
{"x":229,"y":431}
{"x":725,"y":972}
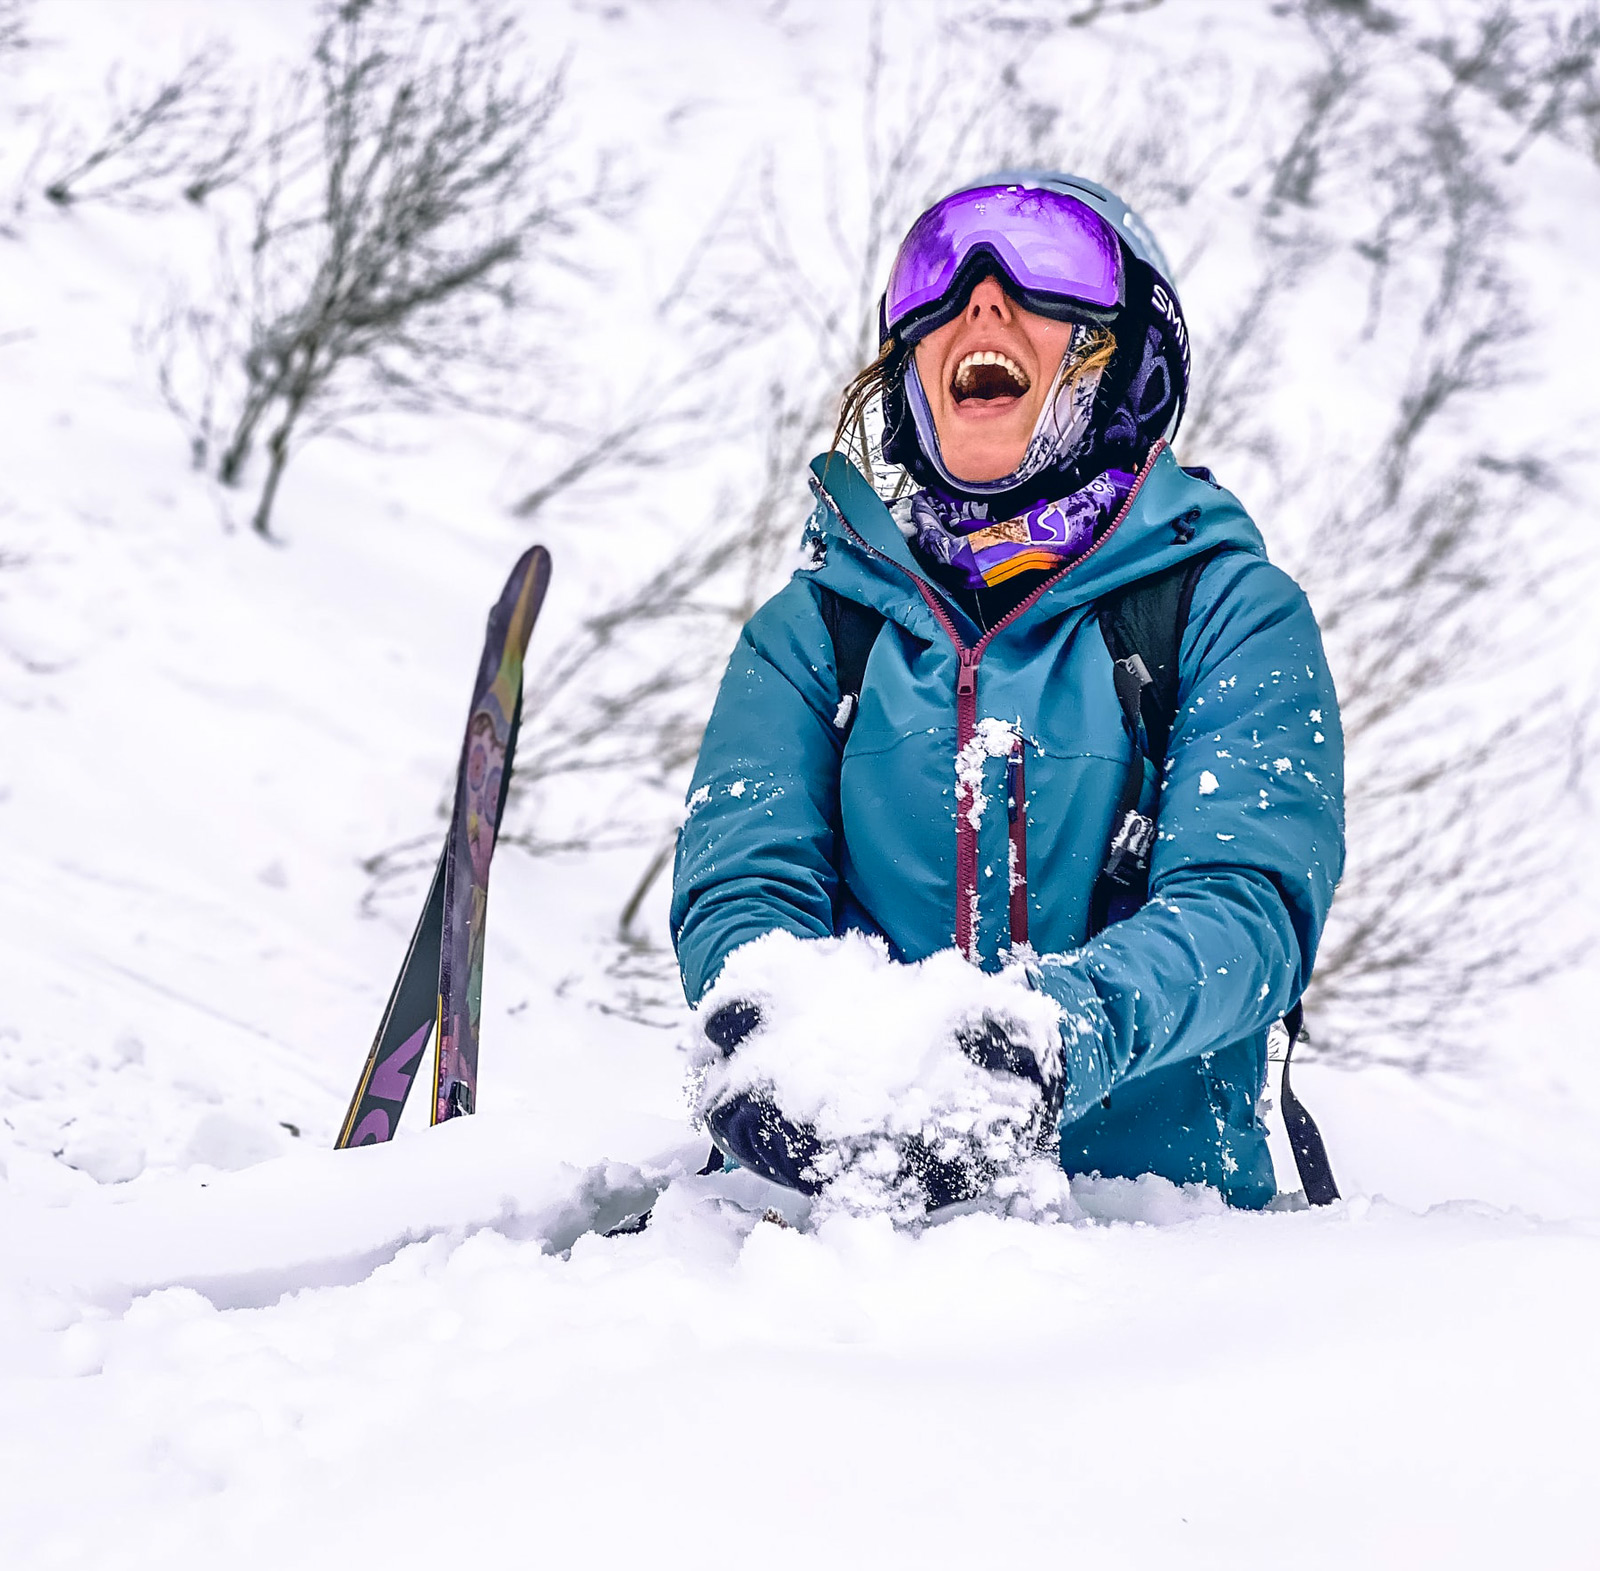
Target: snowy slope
{"x":1164,"y":1385}
{"x":223,"y":1344}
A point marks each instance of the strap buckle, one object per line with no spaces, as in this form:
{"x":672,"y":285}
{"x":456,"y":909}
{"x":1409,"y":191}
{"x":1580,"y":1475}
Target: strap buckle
{"x":1129,"y":856}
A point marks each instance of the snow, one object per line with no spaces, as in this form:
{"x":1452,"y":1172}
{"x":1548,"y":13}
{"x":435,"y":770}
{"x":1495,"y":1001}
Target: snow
{"x":864,"y":1051}
{"x":965,"y":1396}
{"x":990,"y":738}
{"x":224,"y":1344}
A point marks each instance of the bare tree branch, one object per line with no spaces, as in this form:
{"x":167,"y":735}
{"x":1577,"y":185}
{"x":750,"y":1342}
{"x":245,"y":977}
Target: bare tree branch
{"x":407,"y":186}
{"x":14,"y":34}
{"x":186,"y":131}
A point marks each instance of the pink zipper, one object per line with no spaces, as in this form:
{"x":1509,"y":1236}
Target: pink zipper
{"x":969,"y":657}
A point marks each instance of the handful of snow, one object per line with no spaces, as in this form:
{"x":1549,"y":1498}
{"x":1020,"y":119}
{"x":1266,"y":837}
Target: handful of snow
{"x":865,"y":1051}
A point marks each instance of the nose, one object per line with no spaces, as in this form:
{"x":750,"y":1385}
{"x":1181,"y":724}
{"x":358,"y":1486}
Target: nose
{"x":988,"y":300}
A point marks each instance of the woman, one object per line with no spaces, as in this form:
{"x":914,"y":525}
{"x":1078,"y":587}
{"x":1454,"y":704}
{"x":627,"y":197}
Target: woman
{"x":1033,"y":372}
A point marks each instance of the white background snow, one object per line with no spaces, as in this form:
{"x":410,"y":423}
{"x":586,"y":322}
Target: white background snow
{"x":223,"y":1344}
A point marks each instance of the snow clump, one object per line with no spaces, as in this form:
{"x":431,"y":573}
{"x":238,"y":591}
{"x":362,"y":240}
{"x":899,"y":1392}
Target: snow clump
{"x":864,"y":1050}
{"x":990,"y":739}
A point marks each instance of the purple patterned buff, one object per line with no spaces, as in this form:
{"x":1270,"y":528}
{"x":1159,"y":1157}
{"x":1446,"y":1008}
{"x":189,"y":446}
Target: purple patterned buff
{"x":1056,"y":251}
{"x":1043,"y":537}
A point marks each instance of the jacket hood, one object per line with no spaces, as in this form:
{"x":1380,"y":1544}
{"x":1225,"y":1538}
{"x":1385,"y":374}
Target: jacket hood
{"x":859,"y":552}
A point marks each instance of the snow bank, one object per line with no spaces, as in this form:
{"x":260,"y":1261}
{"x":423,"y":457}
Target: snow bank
{"x":979,"y":1392}
{"x":316,"y":1218}
{"x":865,"y":1051}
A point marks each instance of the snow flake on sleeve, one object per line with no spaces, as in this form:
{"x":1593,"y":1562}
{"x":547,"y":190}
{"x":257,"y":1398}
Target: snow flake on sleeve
{"x":1208,"y":782}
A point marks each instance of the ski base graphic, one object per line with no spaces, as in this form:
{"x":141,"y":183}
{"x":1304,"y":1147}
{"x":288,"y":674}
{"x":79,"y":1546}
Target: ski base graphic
{"x":439,"y":992}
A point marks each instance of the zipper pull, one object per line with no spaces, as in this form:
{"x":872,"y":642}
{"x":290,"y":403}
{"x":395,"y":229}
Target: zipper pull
{"x":967,"y":676}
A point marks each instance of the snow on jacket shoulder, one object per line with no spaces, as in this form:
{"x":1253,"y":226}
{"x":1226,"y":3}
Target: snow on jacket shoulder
{"x":792,"y":825}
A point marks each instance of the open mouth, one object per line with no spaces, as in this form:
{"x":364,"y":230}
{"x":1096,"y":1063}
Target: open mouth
{"x":988,"y":375}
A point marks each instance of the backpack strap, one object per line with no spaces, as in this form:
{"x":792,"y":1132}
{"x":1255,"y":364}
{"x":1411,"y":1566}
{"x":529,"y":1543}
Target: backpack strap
{"x":1305,"y":1139}
{"x":854,"y":629}
{"x":1143,"y":627}
{"x":1142,"y":624}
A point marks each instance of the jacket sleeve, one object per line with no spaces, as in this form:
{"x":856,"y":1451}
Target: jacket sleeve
{"x":756,"y":851}
{"x":1250,"y":846}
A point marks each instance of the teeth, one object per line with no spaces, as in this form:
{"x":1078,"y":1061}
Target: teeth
{"x":993,"y":357}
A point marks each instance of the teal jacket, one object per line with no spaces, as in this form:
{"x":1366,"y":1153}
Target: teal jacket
{"x":793,"y":824}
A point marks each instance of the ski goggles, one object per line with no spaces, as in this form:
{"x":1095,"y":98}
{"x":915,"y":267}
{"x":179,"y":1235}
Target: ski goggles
{"x":1060,"y":257}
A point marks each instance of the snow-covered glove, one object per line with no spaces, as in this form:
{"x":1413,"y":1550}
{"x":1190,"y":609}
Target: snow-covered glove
{"x":748,"y":1125}
{"x":944,"y":1178}
{"x":881,"y":1086}
{"x":991,"y":1046}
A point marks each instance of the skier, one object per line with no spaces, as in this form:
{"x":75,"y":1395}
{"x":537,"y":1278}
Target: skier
{"x":1033,"y":372}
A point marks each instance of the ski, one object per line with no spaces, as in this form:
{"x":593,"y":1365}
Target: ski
{"x":482,"y":779}
{"x":439,"y":991}
{"x":408,"y":1021}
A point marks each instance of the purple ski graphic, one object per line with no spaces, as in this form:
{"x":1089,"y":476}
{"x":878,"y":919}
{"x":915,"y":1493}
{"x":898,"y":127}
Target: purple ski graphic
{"x":441,"y":982}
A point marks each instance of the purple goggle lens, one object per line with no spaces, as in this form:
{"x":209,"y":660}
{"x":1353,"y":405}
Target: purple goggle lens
{"x":1053,"y":248}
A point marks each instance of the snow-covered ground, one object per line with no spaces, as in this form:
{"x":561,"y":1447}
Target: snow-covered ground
{"x":224,"y":1344}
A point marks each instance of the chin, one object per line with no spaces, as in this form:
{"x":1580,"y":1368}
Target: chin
{"x":980,"y":470}
{"x":979,"y":449}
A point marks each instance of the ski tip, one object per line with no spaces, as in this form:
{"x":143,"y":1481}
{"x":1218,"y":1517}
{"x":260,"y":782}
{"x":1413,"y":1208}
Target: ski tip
{"x":523,"y":595}
{"x":535,"y":561}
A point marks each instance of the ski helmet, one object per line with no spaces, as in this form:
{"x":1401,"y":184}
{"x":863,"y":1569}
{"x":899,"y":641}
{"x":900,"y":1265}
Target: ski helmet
{"x":1066,"y":247}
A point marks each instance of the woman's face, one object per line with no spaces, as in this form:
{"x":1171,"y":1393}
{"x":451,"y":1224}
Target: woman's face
{"x":986,"y":375}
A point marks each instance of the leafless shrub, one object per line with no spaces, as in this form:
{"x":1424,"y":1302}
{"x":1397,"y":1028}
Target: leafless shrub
{"x":1541,"y":67}
{"x":409,"y":180}
{"x":1415,"y":569}
{"x":14,"y":35}
{"x":193,"y":352}
{"x":1538,"y":64}
{"x":185,"y":133}
{"x":15,"y":183}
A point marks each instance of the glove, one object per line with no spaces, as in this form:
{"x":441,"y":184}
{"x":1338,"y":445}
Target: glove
{"x":945,"y":1181}
{"x":990,"y":1046}
{"x":748,"y":1125}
